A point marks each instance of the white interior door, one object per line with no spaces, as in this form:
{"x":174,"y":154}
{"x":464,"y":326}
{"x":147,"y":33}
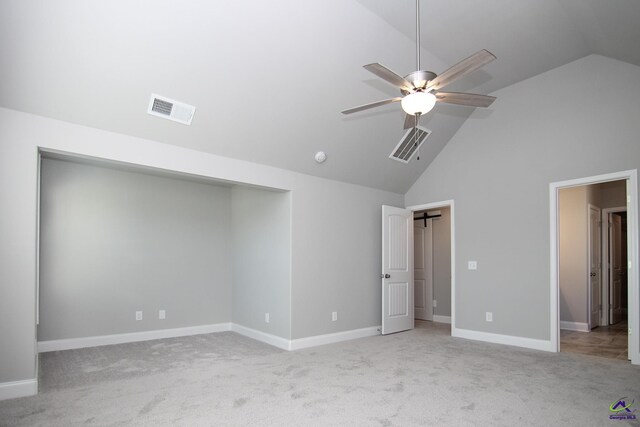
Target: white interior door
{"x":397,"y":269}
{"x":595,"y":291}
{"x":616,"y":268}
{"x":423,"y":269}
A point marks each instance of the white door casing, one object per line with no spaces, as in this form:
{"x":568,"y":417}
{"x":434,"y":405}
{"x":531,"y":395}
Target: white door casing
{"x":617,"y":268}
{"x":423,"y":269}
{"x":606,"y":261}
{"x":451,"y":205}
{"x":633,"y":248}
{"x":397,"y":270}
{"x":594,"y":259}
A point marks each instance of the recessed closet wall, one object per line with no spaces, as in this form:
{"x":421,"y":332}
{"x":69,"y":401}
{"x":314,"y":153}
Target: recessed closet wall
{"x":261,"y":232}
{"x":113,"y":242}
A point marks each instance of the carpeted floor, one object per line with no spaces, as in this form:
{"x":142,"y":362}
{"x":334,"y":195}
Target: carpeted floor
{"x":419,"y":377}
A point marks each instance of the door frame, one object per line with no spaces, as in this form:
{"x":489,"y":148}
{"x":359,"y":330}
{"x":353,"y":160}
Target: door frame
{"x":591,"y":322}
{"x":428,"y":231}
{"x":446,"y":204}
{"x":606,"y":212}
{"x":631,"y":176}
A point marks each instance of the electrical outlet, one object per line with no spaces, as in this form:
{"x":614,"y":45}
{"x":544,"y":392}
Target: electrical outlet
{"x":334,"y":316}
{"x":266,"y":318}
{"x":472,"y":265}
{"x":435,"y":303}
{"x":162,"y":314}
{"x":489,"y":316}
{"x":138,"y":315}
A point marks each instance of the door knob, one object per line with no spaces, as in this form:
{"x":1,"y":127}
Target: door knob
{"x":385,"y":276}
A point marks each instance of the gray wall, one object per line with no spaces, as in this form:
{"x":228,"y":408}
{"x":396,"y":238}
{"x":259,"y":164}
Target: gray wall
{"x":114,"y":242}
{"x":611,"y":194}
{"x":261,"y":229}
{"x":498,"y":167}
{"x":442,"y":262}
{"x":573,"y":243}
{"x":336,"y":253}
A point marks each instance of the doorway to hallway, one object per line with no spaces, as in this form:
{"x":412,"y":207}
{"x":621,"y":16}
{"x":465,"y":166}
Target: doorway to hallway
{"x":591,"y":224}
{"x":432,"y":264}
{"x":556,"y":297}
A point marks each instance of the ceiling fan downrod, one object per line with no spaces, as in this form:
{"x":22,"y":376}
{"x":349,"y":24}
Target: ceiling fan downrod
{"x":418,"y":35}
{"x":422,"y":89}
{"x":417,"y":115}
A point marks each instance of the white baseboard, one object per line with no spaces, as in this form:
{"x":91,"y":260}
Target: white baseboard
{"x":273,"y":340}
{"x":531,"y":343}
{"x":574,"y":326}
{"x":283,"y":343}
{"x":13,"y":389}
{"x":71,"y":343}
{"x":300,"y":343}
{"x":442,"y":319}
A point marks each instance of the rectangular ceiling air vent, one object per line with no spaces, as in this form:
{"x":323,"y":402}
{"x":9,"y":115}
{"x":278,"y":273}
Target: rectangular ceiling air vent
{"x":161,"y":106}
{"x":409,"y":144}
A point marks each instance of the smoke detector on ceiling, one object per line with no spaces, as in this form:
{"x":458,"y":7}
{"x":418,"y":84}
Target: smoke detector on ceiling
{"x":320,"y":157}
{"x":167,"y":108}
{"x":409,"y":144}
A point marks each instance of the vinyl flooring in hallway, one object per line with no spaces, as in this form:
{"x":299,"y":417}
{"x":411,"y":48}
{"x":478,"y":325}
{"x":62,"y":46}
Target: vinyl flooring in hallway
{"x":604,"y":341}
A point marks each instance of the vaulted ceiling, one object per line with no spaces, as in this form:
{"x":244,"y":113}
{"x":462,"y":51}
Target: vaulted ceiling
{"x":269,"y":78}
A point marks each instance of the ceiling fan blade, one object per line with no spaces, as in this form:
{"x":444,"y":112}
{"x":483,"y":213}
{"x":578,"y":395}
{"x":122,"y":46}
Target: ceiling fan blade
{"x":388,"y":75}
{"x":371,"y":105}
{"x":469,"y":99}
{"x":409,"y":121}
{"x":462,"y":68}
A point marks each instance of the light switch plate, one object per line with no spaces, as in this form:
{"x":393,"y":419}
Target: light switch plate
{"x":473,"y":265}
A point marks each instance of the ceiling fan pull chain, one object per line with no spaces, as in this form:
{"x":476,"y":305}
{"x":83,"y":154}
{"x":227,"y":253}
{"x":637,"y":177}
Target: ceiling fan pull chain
{"x":421,"y":90}
{"x":415,"y":135}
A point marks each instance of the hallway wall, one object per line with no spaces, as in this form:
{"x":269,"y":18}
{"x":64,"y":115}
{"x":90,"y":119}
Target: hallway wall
{"x":573,"y":225}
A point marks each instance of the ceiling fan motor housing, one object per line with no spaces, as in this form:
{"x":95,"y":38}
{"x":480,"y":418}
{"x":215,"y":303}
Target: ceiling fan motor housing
{"x":419,"y":79}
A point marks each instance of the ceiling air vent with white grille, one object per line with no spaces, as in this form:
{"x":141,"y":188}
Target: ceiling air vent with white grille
{"x":161,"y":106}
{"x":409,"y":144}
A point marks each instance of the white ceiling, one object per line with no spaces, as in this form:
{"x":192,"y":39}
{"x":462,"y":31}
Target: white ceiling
{"x":269,"y":78}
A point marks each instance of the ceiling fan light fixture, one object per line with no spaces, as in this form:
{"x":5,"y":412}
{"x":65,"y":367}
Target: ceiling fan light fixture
{"x":418,"y":102}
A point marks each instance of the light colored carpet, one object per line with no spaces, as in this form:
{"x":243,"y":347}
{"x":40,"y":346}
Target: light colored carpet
{"x":419,"y":377}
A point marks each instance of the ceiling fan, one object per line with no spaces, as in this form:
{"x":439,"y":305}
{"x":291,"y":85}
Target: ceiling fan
{"x":421,"y":89}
